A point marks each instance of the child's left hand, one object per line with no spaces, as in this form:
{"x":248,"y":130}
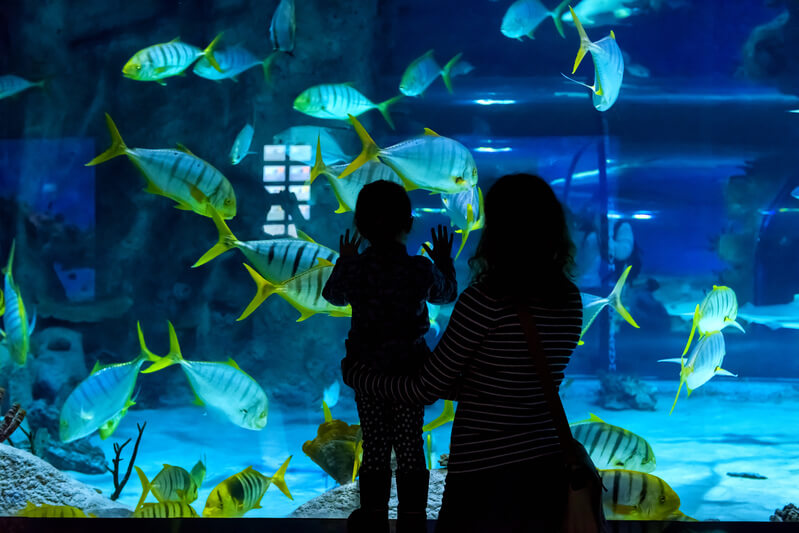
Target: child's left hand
{"x":347,"y":247}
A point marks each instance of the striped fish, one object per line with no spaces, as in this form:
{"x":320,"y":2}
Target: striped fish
{"x":171,"y":484}
{"x":52,"y":511}
{"x":17,"y":333}
{"x":275,"y":259}
{"x":718,"y":310}
{"x":592,"y":305}
{"x":102,"y":398}
{"x":465,"y":210}
{"x":222,"y":386}
{"x":608,"y":66}
{"x":423,"y":71}
{"x":11,"y":85}
{"x":232,"y":62}
{"x":303,"y":291}
{"x":431,"y":162}
{"x":703,"y":363}
{"x":309,"y":135}
{"x":165,"y":510}
{"x":175,"y":174}
{"x":637,"y":496}
{"x":282,"y":27}
{"x":241,"y":146}
{"x":347,"y":190}
{"x":160,"y":61}
{"x":614,"y":447}
{"x":339,"y":101}
{"x":242,"y":492}
{"x":524,"y":16}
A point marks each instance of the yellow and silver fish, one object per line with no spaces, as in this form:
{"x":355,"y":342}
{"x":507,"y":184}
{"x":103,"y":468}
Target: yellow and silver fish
{"x":423,"y":71}
{"x":303,"y":292}
{"x":17,"y":333}
{"x":592,"y":305}
{"x":614,"y":447}
{"x":718,"y":310}
{"x":232,"y":61}
{"x":241,"y":146}
{"x":101,"y":400}
{"x":160,"y":61}
{"x":524,"y":16}
{"x":11,"y":85}
{"x":430,"y":161}
{"x":242,"y":492}
{"x":608,"y":66}
{"x":172,"y":484}
{"x":165,"y":510}
{"x":275,"y":259}
{"x":703,"y":363}
{"x":465,"y":210}
{"x":347,"y":190}
{"x":52,"y":511}
{"x":222,"y":386}
{"x":283,"y":27}
{"x":339,"y":101}
{"x":176,"y":174}
{"x":637,"y":496}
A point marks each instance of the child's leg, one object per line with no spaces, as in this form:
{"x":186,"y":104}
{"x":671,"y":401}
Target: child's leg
{"x":374,"y":477}
{"x":412,"y":474}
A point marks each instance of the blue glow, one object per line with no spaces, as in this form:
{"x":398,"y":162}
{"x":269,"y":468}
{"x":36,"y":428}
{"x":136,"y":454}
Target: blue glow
{"x":794,"y":111}
{"x":613,"y":215}
{"x":489,"y":101}
{"x":492,"y":150}
{"x":642,"y":216}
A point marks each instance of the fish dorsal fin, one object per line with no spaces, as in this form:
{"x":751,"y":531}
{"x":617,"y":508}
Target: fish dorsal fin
{"x":166,"y":465}
{"x":175,"y":40}
{"x":183,"y":149}
{"x":232,"y":363}
{"x":324,"y":262}
{"x":305,"y":237}
{"x":612,"y":35}
{"x":174,"y":347}
{"x":97,"y":366}
{"x":796,"y":297}
{"x":428,"y":131}
{"x":326,"y":411}
{"x":594,"y":418}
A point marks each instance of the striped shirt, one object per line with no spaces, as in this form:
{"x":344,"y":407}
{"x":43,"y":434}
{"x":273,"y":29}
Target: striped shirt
{"x":502,"y":416}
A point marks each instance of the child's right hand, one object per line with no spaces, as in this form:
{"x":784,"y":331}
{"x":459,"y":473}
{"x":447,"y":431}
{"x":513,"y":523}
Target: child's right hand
{"x":442,"y":244}
{"x":347,"y":247}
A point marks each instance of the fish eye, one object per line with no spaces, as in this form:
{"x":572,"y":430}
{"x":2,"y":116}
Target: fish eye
{"x":227,"y":201}
{"x":459,"y":180}
{"x":662,"y":499}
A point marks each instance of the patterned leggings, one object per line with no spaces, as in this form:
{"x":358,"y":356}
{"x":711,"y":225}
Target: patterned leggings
{"x":386,"y":424}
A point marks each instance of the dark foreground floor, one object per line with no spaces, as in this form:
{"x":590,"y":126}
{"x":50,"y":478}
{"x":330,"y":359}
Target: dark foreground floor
{"x":267,"y":525}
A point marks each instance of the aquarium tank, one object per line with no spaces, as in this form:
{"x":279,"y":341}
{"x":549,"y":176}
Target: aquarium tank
{"x":175,"y":176}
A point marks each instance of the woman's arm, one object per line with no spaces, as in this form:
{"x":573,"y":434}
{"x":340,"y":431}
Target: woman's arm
{"x":439,"y":376}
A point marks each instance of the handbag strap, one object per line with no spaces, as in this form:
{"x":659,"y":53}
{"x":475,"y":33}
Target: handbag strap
{"x":548,"y":385}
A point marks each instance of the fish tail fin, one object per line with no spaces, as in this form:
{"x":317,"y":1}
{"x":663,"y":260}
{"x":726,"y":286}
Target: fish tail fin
{"x":615,"y":298}
{"x":464,"y":236}
{"x":319,"y":166}
{"x":445,"y":72}
{"x":173,"y":357}
{"x":279,"y":479}
{"x":732,"y":322}
{"x":584,"y":41}
{"x":267,"y":66}
{"x":226,"y":238}
{"x":697,"y":315}
{"x":208,"y":53}
{"x":326,"y":411}
{"x":369,"y":151}
{"x":117,"y":144}
{"x":7,"y":269}
{"x":145,"y":487}
{"x":383,"y":107}
{"x":263,"y":290}
{"x":144,"y":352}
{"x":556,"y":14}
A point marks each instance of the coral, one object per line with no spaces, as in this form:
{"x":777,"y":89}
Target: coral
{"x":619,"y":392}
{"x":333,"y":449}
{"x":789,"y":513}
{"x":118,"y":486}
{"x":12,"y":420}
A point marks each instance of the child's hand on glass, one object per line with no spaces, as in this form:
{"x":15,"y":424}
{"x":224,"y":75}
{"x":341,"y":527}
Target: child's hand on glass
{"x":347,"y":247}
{"x":442,"y":244}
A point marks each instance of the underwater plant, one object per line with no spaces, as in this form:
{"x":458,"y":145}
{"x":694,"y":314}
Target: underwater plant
{"x":115,"y":471}
{"x":12,"y":420}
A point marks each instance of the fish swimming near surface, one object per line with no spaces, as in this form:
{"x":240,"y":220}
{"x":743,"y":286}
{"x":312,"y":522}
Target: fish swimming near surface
{"x":717,"y":310}
{"x":52,"y":511}
{"x":447,"y":415}
{"x":232,"y":61}
{"x":592,"y":305}
{"x":275,"y":259}
{"x":282,"y":29}
{"x":430,"y":161}
{"x":703,"y":363}
{"x":101,"y":400}
{"x":608,"y":67}
{"x":176,"y":174}
{"x":165,"y":510}
{"x":772,"y":316}
{"x":17,"y":331}
{"x":172,"y":484}
{"x":11,"y":85}
{"x":308,"y":136}
{"x":614,"y":447}
{"x":221,"y":386}
{"x":423,"y":71}
{"x":347,"y":190}
{"x":160,"y":61}
{"x":242,"y":492}
{"x":241,"y":146}
{"x":634,"y":495}
{"x":303,"y":292}
{"x":524,"y":16}
{"x":465,"y":210}
{"x":339,"y":101}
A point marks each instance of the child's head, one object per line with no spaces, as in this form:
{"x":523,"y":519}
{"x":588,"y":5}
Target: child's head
{"x":383,"y":212}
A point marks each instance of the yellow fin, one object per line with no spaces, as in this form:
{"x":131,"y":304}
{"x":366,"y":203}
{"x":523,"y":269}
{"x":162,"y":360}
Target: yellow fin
{"x":279,"y":479}
{"x":182,"y":148}
{"x":117,"y":144}
{"x":428,"y":131}
{"x":231,"y":362}
{"x":324,"y":262}
{"x":208,"y":53}
{"x":584,"y":41}
{"x":369,"y":152}
{"x":612,"y":35}
{"x":615,"y":298}
{"x":429,"y":454}
{"x":697,"y":317}
{"x":305,"y":237}
{"x":319,"y":166}
{"x":263,"y":290}
{"x":356,"y":465}
{"x":145,"y":487}
{"x":326,"y":411}
{"x":447,"y":415}
{"x":226,"y":238}
{"x":383,"y":108}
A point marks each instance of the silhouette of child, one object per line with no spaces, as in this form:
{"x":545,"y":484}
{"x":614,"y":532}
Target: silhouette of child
{"x":388,"y":290}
